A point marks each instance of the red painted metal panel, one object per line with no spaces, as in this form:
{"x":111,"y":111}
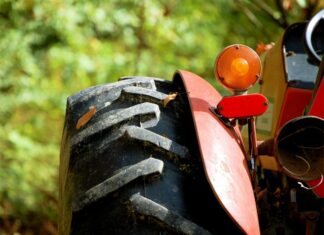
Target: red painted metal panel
{"x":294,"y":104}
{"x":318,"y":190}
{"x":242,"y":106}
{"x":222,"y":155}
{"x":317,"y":109}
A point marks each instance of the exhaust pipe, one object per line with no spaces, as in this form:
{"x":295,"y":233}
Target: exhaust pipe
{"x":299,"y":148}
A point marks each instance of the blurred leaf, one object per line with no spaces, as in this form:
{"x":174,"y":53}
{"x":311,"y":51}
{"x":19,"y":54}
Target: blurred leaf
{"x":86,"y":117}
{"x":169,"y":98}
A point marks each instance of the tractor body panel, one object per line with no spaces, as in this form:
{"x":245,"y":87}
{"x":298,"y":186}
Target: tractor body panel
{"x":317,"y":109}
{"x":223,"y":154}
{"x":288,"y":81}
{"x":273,"y":87}
{"x":294,"y":104}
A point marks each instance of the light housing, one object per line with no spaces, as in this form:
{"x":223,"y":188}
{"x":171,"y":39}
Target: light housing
{"x":238,"y":67}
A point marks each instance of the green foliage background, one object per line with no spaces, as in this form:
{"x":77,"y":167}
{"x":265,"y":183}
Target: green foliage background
{"x":51,"y":49}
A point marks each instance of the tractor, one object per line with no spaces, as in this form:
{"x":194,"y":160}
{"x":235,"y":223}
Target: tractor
{"x":151,"y":156}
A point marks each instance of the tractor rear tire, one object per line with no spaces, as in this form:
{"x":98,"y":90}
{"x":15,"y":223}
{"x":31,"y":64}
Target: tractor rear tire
{"x":133,"y":165}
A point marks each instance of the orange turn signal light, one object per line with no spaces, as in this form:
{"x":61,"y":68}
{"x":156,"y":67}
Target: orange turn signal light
{"x":238,"y":67}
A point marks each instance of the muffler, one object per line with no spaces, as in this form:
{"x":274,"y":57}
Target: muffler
{"x":299,"y":148}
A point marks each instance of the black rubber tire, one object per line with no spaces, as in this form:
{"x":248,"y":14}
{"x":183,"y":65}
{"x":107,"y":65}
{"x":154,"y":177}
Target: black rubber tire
{"x":134,"y":168}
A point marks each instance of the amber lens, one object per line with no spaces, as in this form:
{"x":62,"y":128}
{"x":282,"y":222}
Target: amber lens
{"x":238,"y":67}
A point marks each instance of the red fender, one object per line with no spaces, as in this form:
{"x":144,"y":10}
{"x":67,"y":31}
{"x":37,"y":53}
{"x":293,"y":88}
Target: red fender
{"x":222,"y":153}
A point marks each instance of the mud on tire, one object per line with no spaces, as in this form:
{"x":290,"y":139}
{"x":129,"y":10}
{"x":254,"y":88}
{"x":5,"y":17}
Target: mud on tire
{"x":134,"y":167}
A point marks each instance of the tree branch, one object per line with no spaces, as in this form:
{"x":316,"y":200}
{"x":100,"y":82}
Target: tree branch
{"x":282,"y":12}
{"x":309,"y":10}
{"x":270,"y":12}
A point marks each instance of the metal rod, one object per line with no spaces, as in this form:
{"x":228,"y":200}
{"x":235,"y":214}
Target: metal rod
{"x":253,"y":149}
